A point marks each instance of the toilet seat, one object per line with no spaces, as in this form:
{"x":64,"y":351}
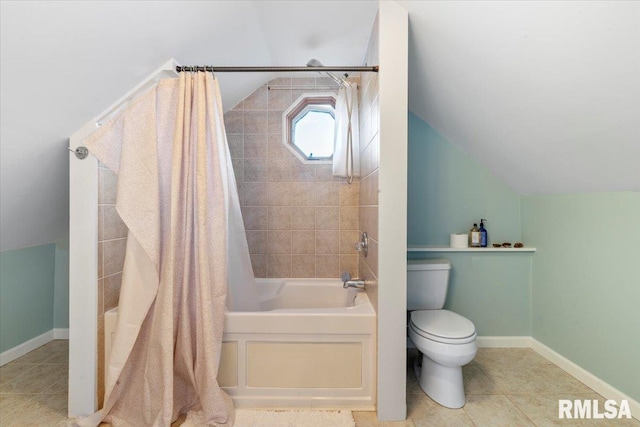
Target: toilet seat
{"x":443,"y":326}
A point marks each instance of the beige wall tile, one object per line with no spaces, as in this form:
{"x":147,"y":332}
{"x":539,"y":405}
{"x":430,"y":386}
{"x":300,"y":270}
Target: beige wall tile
{"x":279,"y":99}
{"x":327,"y":242}
{"x":327,"y":193}
{"x":257,"y":100}
{"x":372,"y":257}
{"x":255,"y":218}
{"x":279,"y":218}
{"x":279,"y":242}
{"x":280,"y":169}
{"x":112,"y":291}
{"x":234,"y":121}
{"x":114,"y":252}
{"x":324,"y":173}
{"x":114,"y":228}
{"x":275,"y":121}
{"x":303,"y":242}
{"x":255,"y":121}
{"x":257,"y":241}
{"x":276,"y":147}
{"x":303,"y":266}
{"x":255,"y":145}
{"x":348,"y":240}
{"x":238,"y":169}
{"x":255,"y":170}
{"x":100,"y":297}
{"x":369,"y":220}
{"x":259,"y":264}
{"x":280,"y":81}
{"x":235,"y":141}
{"x":327,"y":218}
{"x":100,"y":223}
{"x":256,"y":194}
{"x":108,"y":184}
{"x":302,"y":194}
{"x":302,"y":172}
{"x":279,"y":265}
{"x":349,"y":263}
{"x":350,"y":194}
{"x":328,"y":266}
{"x":349,"y":217}
{"x":279,"y":193}
{"x":100,"y":260}
{"x":303,"y":218}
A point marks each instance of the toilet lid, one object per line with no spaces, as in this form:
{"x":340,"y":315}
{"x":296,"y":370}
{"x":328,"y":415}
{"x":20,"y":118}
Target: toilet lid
{"x":442,"y":324}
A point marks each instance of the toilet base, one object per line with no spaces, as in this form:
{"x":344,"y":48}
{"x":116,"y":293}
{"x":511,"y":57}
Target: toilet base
{"x":442,"y":384}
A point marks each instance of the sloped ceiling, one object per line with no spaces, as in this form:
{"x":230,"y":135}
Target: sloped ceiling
{"x":544,"y":93}
{"x":63,"y":63}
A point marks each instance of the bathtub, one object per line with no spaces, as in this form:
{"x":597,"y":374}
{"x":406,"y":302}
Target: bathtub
{"x":313,"y":344}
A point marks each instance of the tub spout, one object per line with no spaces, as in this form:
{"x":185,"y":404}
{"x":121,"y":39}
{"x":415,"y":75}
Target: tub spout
{"x":348,"y":283}
{"x":357,"y":284}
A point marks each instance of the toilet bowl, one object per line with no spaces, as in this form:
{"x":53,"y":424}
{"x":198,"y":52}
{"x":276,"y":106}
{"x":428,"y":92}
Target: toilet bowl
{"x":447,"y":341}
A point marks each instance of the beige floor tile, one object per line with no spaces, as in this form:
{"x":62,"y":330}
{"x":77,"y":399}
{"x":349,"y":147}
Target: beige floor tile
{"x":36,"y":380}
{"x":405,"y":423}
{"x":424,"y":412}
{"x":515,"y":357}
{"x":477,"y":382}
{"x":494,"y":410}
{"x":12,"y":370}
{"x":365,"y":419}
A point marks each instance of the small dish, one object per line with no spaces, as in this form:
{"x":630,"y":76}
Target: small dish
{"x":518,"y":245}
{"x":497,"y":245}
{"x":506,"y":245}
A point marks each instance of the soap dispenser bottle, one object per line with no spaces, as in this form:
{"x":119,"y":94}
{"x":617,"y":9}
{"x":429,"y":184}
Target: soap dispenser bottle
{"x":484,"y":239}
{"x":474,"y":236}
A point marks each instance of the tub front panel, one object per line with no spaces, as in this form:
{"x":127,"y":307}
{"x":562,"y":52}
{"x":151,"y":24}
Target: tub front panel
{"x":306,"y":365}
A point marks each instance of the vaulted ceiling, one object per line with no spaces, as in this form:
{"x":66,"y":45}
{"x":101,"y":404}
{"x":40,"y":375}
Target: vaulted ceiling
{"x":545,"y":94}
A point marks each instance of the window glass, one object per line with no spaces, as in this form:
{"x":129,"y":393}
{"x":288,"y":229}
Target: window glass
{"x":309,"y":127}
{"x":313,"y":133}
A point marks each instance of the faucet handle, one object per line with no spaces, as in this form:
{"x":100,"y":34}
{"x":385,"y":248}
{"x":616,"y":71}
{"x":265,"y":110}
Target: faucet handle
{"x":346,"y":276}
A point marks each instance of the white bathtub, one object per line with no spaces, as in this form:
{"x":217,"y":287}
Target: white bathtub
{"x":313,"y":345}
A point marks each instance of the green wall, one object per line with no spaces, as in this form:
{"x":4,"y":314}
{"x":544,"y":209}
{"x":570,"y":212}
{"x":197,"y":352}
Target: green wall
{"x":448,"y":192}
{"x":61,"y":285}
{"x":26,"y":294}
{"x":586,"y":281}
{"x":579,"y":294}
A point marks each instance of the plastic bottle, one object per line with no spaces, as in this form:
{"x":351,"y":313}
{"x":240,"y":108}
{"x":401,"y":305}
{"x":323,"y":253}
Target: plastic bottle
{"x":474,"y":237}
{"x":484,"y":238}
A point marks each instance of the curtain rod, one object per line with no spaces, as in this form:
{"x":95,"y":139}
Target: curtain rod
{"x":179,"y":68}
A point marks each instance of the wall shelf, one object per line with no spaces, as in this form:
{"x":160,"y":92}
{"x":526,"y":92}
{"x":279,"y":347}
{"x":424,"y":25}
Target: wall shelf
{"x":414,"y":249}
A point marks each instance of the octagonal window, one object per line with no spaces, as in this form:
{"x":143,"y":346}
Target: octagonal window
{"x":309,"y":127}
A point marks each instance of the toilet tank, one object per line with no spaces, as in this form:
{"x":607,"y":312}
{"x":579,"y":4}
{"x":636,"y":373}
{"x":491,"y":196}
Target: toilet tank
{"x":427,"y":283}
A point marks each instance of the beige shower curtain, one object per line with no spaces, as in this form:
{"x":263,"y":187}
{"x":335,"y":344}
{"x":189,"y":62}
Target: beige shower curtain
{"x":176,"y":191}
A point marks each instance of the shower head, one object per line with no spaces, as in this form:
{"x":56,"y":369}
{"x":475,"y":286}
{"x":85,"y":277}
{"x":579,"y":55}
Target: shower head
{"x":314,"y":63}
{"x":342,"y":81}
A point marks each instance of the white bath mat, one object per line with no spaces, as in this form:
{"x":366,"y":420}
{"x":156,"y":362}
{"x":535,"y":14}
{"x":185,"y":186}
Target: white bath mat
{"x":249,"y":418}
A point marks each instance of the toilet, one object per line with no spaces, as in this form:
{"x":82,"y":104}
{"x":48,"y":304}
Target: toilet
{"x":446,"y":340}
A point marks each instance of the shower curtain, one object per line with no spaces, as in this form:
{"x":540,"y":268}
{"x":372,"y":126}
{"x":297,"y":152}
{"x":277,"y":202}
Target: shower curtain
{"x":178,"y":197}
{"x":346,"y":149}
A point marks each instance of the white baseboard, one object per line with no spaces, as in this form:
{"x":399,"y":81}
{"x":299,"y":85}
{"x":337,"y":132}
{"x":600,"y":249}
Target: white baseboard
{"x":61,"y":333}
{"x":27,"y":346}
{"x":587,"y":378}
{"x":504,"y":342}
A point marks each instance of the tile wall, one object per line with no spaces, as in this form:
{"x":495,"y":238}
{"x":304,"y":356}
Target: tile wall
{"x":300,"y":220}
{"x":369,"y":162}
{"x":112,"y":242}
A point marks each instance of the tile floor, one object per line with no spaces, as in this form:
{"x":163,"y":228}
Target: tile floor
{"x":505,"y":387}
